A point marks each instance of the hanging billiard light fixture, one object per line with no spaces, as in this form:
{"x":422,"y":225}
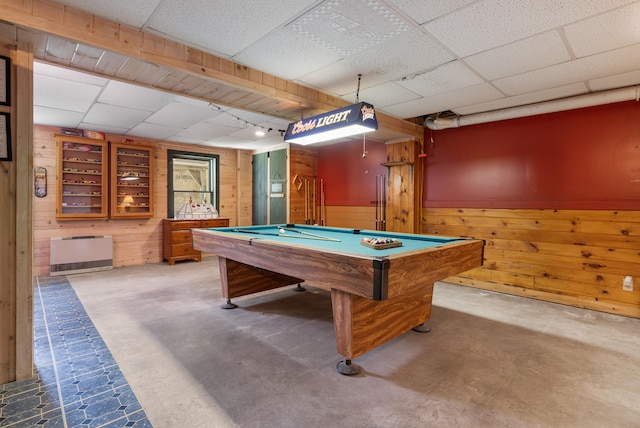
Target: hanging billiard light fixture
{"x":355,"y":119}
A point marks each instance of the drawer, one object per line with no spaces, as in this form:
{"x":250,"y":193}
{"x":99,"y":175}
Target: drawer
{"x":178,"y":225}
{"x":178,"y":250}
{"x":215,"y":222}
{"x":181,"y":237}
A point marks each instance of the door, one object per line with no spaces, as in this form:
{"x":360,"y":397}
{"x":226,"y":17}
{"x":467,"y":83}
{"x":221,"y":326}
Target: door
{"x":278,"y":187}
{"x":259,"y":196}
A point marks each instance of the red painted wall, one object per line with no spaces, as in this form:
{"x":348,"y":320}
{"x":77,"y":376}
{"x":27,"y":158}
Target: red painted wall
{"x":350,"y":179}
{"x":581,"y":159}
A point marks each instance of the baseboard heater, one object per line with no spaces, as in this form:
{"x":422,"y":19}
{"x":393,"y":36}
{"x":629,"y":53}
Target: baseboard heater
{"x":80,"y":254}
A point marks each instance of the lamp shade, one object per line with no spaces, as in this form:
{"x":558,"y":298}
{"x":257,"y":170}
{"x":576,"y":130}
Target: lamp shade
{"x":355,"y":119}
{"x":128,"y":200}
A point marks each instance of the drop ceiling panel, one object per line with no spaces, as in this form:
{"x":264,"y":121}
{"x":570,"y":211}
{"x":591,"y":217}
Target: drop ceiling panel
{"x":206,"y":131}
{"x":407,"y":54}
{"x":116,"y":116}
{"x":134,"y":13}
{"x":422,"y":11}
{"x":385,"y":95}
{"x":200,"y":22}
{"x":64,"y":94}
{"x":137,"y":97}
{"x":447,"y":101}
{"x":56,"y":117}
{"x":491,"y":23}
{"x":521,"y":100}
{"x":103,"y":128}
{"x":67,"y":74}
{"x":180,"y":115}
{"x":519,"y":57}
{"x":153,"y":130}
{"x":616,"y":81}
{"x":610,"y":30}
{"x":301,"y":55}
{"x":447,"y":77}
{"x":583,"y":69}
{"x":349,"y":27}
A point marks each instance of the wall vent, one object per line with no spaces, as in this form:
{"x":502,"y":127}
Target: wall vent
{"x":80,"y":254}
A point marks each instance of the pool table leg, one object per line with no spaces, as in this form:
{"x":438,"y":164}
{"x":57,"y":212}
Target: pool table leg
{"x":362,"y":324}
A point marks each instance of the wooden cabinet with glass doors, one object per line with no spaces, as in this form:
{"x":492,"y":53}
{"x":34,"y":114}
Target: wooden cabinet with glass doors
{"x":82,"y":182}
{"x":131,"y":181}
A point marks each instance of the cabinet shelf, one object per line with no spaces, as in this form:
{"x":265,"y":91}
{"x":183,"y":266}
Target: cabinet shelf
{"x":134,"y":198}
{"x":82,"y":178}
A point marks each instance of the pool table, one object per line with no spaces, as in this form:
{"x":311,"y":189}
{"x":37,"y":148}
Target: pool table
{"x":376,"y":293}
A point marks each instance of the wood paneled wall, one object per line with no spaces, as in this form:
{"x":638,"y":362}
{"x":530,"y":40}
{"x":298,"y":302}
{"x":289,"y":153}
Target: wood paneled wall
{"x":351,"y":217}
{"x":136,"y":241}
{"x":574,"y":257}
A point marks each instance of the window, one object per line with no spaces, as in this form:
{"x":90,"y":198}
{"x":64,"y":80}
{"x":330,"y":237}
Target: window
{"x":192,"y":178}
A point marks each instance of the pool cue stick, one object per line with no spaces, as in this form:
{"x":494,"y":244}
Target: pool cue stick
{"x":315,"y":201}
{"x":306,"y":201}
{"x":322,"y":212}
{"x":326,"y":238}
{"x":278,"y":234}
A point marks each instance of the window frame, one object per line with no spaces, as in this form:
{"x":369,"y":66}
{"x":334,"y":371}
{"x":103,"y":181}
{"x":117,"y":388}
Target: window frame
{"x":214,"y":163}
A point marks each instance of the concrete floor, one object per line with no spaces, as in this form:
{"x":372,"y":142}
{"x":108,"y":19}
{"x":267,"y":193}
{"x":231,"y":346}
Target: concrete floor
{"x":491,"y":360}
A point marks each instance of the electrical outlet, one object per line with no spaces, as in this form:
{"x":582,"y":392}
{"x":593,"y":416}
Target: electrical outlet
{"x":627,"y":283}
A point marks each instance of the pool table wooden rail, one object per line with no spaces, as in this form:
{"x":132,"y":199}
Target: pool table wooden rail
{"x":329,"y":270}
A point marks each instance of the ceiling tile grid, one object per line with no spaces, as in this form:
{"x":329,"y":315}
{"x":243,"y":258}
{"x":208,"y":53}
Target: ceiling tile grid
{"x":416,"y":58}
